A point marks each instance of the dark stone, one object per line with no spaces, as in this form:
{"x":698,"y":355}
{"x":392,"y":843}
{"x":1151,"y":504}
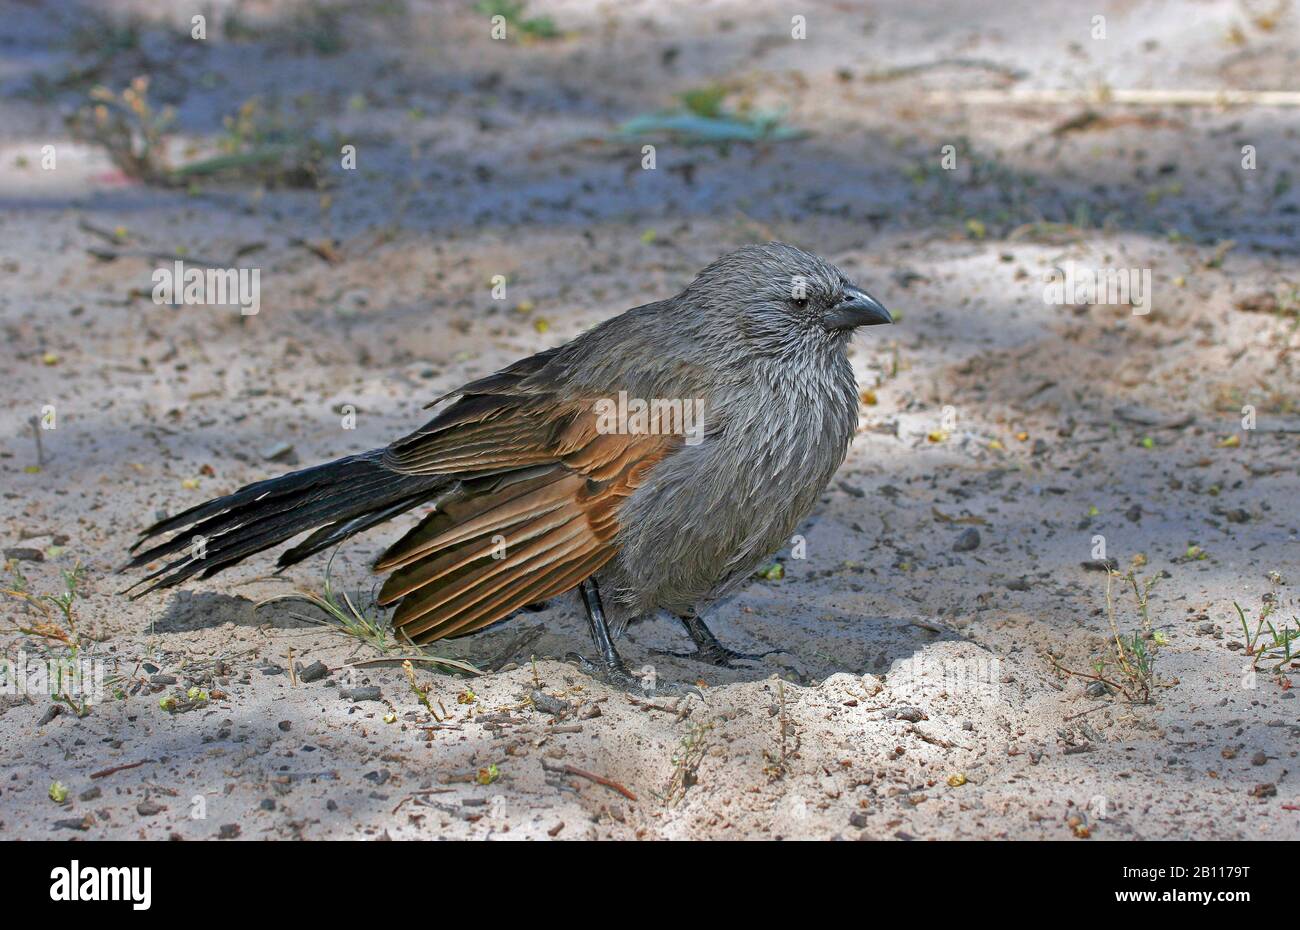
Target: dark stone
{"x":968,"y":541}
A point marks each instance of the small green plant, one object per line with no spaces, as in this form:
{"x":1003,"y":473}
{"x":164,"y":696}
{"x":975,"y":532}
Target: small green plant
{"x":177,"y":702}
{"x":512,"y":11}
{"x":65,"y":603}
{"x":1128,"y":664}
{"x":686,"y":761}
{"x":80,"y":708}
{"x":421,"y":694}
{"x":702,"y":117}
{"x":257,"y":145}
{"x":1272,"y":647}
{"x":369,"y":627}
{"x":132,"y":132}
{"x":778,"y":760}
{"x":260,"y":144}
{"x":704,"y":101}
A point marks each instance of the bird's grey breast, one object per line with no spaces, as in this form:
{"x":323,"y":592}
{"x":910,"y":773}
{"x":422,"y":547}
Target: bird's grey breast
{"x":710,"y":513}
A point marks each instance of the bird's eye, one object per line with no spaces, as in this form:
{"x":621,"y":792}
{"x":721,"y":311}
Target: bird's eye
{"x":800,"y":302}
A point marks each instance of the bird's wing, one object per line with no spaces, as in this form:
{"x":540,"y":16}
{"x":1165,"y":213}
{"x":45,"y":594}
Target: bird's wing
{"x":537,"y":512}
{"x":504,"y":421}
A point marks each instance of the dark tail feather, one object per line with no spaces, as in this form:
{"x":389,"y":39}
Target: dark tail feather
{"x":337,"y":500}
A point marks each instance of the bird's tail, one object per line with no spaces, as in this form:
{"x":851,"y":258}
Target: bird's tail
{"x":336,"y":500}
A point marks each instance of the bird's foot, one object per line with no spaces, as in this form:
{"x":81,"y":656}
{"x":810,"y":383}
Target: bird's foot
{"x":614,"y":674}
{"x":709,"y":649}
{"x":717,"y":654}
{"x":643,"y":681}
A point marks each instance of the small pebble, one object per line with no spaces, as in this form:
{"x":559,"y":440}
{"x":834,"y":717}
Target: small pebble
{"x":75,"y":823}
{"x":278,"y":452}
{"x":550,"y":705}
{"x":907,"y":712}
{"x":369,"y":693}
{"x":1100,"y":565}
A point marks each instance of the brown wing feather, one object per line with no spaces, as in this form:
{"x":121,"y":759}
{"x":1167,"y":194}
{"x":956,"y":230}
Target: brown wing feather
{"x":501,"y":421}
{"x":554,"y":507}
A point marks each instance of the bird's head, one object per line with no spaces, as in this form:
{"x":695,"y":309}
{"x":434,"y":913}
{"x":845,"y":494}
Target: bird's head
{"x":778,"y":295}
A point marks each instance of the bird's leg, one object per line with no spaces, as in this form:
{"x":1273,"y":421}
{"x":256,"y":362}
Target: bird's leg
{"x":709,"y":649}
{"x":599,"y":626}
{"x":614,"y":671}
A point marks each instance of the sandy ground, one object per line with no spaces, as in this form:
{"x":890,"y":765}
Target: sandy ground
{"x":916,"y":696}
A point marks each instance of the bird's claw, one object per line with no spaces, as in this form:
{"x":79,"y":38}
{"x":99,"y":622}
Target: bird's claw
{"x":719,"y":655}
{"x":643,"y":685}
{"x":615,"y":675}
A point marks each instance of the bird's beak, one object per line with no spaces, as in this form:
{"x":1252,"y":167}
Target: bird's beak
{"x":858,"y":308}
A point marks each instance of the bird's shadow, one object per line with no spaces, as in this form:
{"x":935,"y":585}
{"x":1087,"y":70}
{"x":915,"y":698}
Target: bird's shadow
{"x":202,"y":610}
{"x":810,"y":648}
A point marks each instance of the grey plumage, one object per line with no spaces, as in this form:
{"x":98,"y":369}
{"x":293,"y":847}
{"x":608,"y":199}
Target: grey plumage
{"x":780,"y":410}
{"x":518,"y":461}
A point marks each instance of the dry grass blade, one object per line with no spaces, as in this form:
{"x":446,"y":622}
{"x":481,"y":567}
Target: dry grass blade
{"x":371,"y":628}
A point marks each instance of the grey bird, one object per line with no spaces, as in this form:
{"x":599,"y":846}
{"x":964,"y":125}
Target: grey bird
{"x":658,"y":458}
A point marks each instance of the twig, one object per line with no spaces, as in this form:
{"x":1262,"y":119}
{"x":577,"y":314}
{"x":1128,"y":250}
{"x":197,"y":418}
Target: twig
{"x":650,"y":705}
{"x":1084,"y":713}
{"x":323,"y":249}
{"x":419,"y":794}
{"x":111,"y":255}
{"x":40,"y":447}
{"x":590,"y":776}
{"x":119,"y":768}
{"x":976,"y":64}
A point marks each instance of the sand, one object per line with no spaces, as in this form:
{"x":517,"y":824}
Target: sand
{"x":918,"y":693}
